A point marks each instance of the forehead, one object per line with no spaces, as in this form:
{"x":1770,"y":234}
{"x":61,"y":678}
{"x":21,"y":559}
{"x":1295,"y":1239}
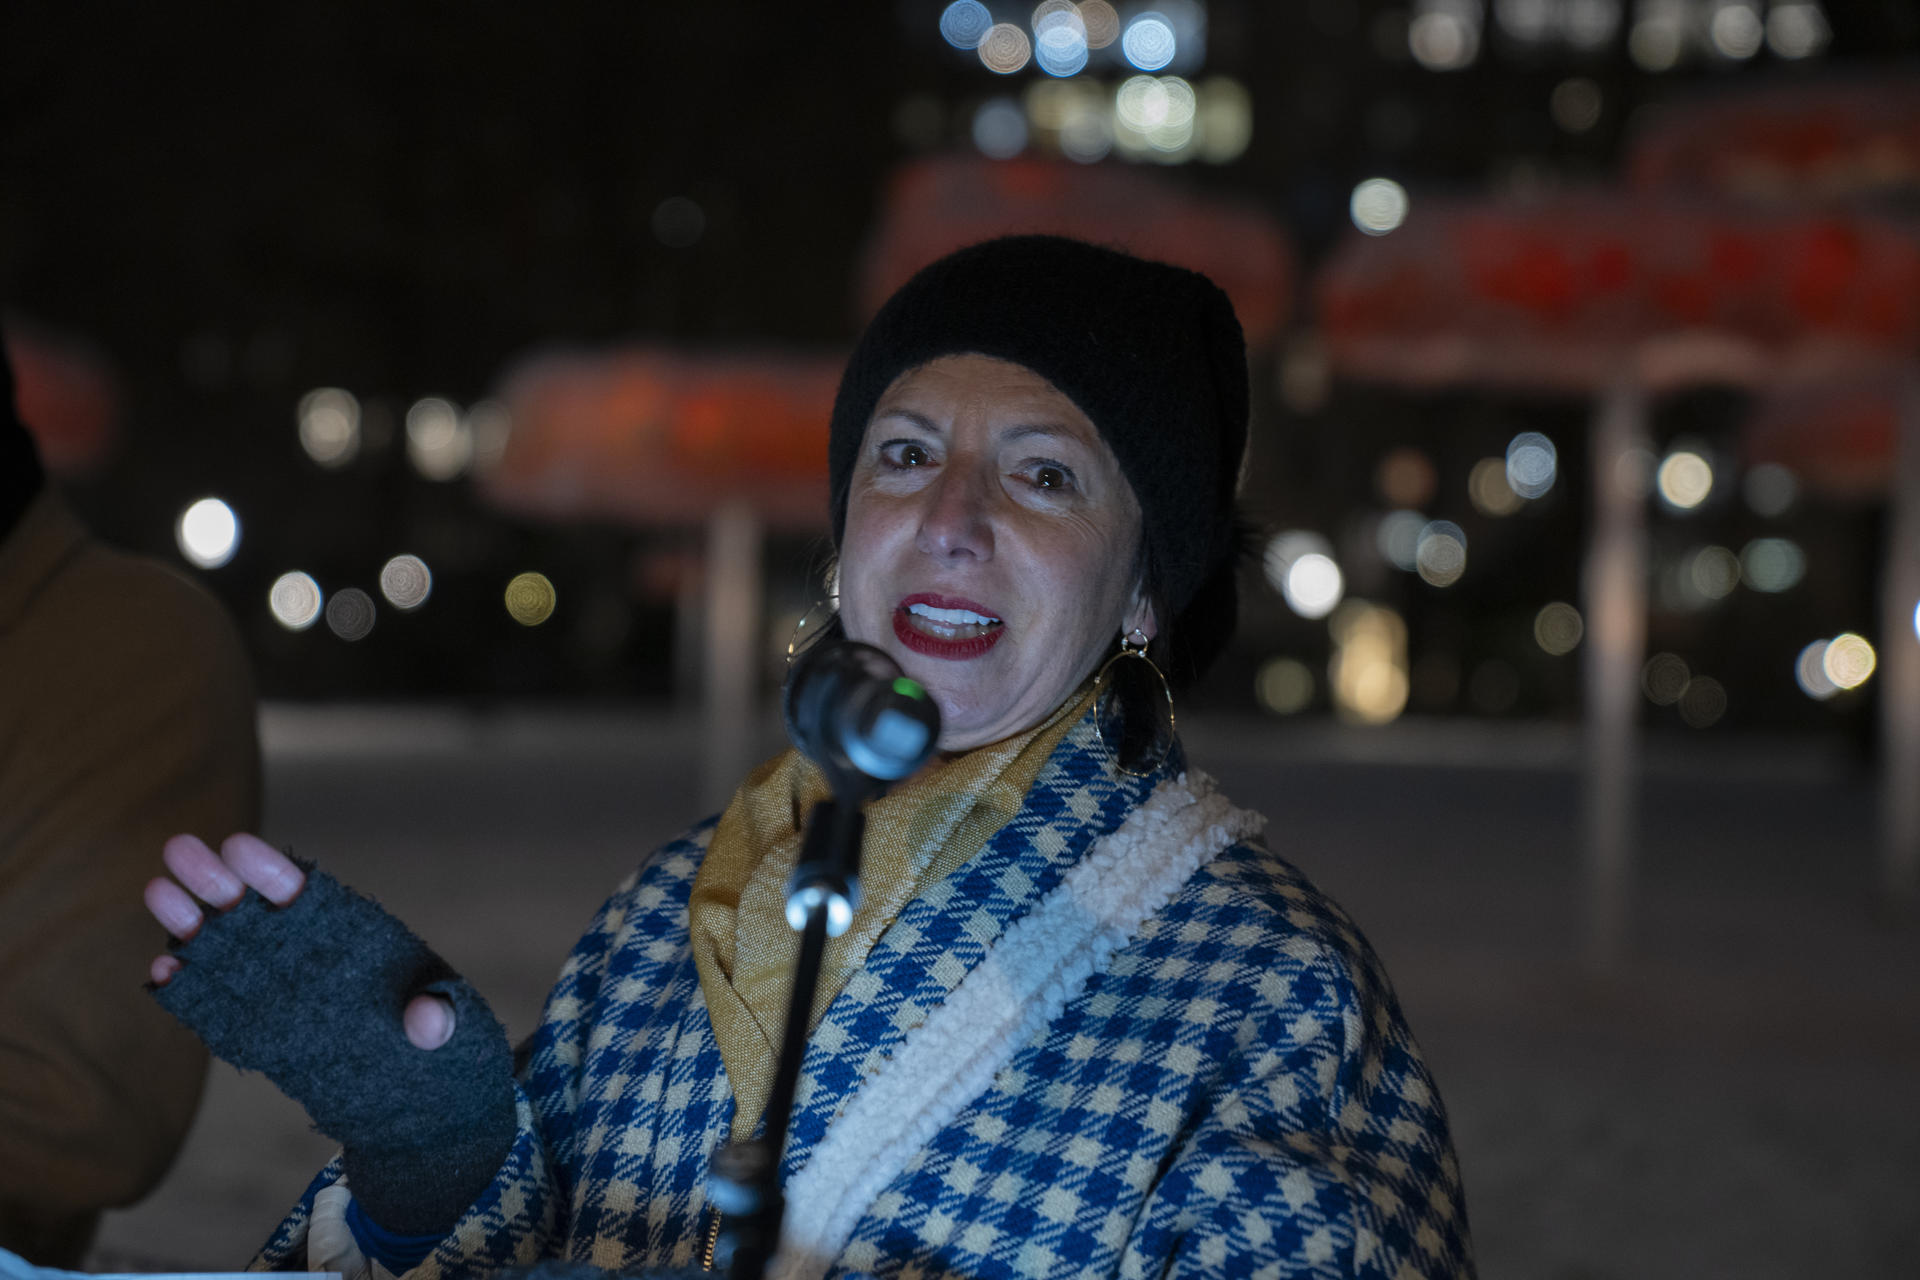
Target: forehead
{"x":1000,"y":391}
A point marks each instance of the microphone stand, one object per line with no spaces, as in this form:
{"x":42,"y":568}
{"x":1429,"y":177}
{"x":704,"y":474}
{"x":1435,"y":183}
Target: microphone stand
{"x":851,"y":710}
{"x":822,"y":893}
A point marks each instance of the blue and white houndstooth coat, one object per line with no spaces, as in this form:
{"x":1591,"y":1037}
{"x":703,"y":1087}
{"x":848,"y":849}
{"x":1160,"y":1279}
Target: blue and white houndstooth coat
{"x":1123,"y":1040}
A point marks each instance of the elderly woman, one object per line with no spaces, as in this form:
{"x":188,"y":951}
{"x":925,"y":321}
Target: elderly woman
{"x":1083,"y":1023}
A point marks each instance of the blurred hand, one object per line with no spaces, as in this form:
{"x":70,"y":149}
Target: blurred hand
{"x":220,"y":880}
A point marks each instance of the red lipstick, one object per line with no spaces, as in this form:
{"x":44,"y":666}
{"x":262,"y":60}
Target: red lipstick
{"x":955,"y":648}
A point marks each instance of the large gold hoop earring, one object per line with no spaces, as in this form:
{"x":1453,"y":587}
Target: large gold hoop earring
{"x":1133,"y":712}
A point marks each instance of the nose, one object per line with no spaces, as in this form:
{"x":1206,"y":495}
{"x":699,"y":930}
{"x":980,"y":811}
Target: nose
{"x":957,"y":520}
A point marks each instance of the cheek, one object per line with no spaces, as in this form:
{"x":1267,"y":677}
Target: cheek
{"x":863,"y":549}
{"x":1083,"y":586}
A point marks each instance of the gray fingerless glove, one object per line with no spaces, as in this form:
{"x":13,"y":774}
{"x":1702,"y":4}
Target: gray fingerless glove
{"x":311,"y":996}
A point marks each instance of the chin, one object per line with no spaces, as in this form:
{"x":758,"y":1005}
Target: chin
{"x":960,"y":719}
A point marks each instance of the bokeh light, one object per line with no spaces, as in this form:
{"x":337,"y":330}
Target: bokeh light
{"x":1225,"y":123}
{"x":1406,"y":477}
{"x":1000,"y":128}
{"x":1159,"y":111}
{"x":965,"y":23}
{"x":1770,"y":489}
{"x":1378,"y":205}
{"x":406,"y":582}
{"x":208,"y":533}
{"x":1368,"y":671}
{"x":1848,"y":660}
{"x":1589,"y":24}
{"x":1702,"y":702}
{"x":1149,"y":42}
{"x":530,"y":599}
{"x":1313,"y":585}
{"x":1532,"y":464}
{"x":1077,"y":112}
{"x":295,"y":600}
{"x":1576,"y":104}
{"x":1445,"y":34}
{"x":1685,"y":479}
{"x":1530,"y":21}
{"x":1736,"y":30}
{"x":1713,"y":572}
{"x":1086,"y":135}
{"x":329,"y":423}
{"x":1004,"y":49}
{"x":1102,"y":23}
{"x":439,"y":440}
{"x":350,"y":614}
{"x":1558,"y":628}
{"x":1664,"y":678}
{"x":1810,"y":672}
{"x":1059,"y":38}
{"x":1398,"y":538}
{"x":1797,"y":30}
{"x":1284,"y":686}
{"x":1772,"y":564}
{"x":1440,"y":556}
{"x":1488,"y":490}
{"x":1634,"y":470}
{"x":1659,"y":34}
{"x":1299,"y":565}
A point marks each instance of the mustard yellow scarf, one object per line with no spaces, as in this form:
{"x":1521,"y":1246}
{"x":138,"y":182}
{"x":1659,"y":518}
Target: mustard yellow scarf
{"x":917,"y":834}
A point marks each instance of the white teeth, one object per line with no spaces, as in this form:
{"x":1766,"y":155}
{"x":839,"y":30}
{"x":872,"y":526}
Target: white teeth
{"x":951,"y":617}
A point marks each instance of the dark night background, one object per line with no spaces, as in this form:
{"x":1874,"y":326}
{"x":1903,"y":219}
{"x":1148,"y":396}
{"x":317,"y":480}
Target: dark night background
{"x":237,"y":203}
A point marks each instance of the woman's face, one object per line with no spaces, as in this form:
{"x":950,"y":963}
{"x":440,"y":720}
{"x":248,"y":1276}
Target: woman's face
{"x":991,"y":544}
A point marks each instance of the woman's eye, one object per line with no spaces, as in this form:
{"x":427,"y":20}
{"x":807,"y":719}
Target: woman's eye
{"x":903,"y":454}
{"x":1050,"y":478}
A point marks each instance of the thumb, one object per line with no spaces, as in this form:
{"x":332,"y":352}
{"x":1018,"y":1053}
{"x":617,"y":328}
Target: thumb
{"x":428,"y":1020}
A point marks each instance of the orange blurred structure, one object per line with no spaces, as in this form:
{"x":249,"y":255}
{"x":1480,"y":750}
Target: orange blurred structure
{"x":932,"y":207}
{"x":1831,"y":140}
{"x":1574,"y":292}
{"x":650,"y":436}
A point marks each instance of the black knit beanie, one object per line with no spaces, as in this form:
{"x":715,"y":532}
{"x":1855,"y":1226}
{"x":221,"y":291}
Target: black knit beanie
{"x":20,"y":475}
{"x":1151,"y":353}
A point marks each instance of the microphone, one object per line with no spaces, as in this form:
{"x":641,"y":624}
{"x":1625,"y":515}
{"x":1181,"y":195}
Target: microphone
{"x":852,"y":711}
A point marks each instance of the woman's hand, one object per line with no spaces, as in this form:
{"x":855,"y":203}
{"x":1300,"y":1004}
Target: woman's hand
{"x":199,"y":875}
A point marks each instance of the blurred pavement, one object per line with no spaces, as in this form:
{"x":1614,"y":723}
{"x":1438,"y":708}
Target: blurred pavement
{"x":1741,"y":1101}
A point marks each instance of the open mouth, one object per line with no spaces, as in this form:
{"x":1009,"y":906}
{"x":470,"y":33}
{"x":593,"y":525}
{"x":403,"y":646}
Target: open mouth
{"x":943,"y":627}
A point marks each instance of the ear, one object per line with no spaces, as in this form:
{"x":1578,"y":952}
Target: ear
{"x":1140,"y":614}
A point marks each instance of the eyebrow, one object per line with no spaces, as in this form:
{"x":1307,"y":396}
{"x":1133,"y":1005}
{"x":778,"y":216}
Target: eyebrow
{"x":1021,"y":431}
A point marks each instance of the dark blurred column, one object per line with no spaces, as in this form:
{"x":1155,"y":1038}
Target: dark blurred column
{"x":1900,"y":664}
{"x":732,"y":647}
{"x":1616,"y":600}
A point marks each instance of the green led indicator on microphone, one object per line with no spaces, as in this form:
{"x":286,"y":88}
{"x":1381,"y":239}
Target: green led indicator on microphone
{"x":908,"y":687}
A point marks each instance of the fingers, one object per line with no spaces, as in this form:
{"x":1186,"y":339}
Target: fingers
{"x":220,"y":880}
{"x":429,"y":1021}
{"x":202,"y":872}
{"x":270,"y":872}
{"x":173,"y":907}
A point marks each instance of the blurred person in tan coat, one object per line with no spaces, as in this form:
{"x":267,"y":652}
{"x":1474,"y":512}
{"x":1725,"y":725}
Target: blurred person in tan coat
{"x":126,"y":716}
